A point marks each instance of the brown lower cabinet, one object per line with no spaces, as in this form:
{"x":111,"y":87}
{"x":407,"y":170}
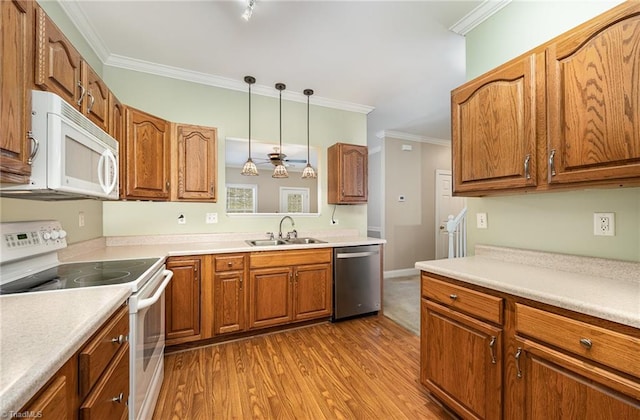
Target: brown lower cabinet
{"x":183,"y":300}
{"x":490,"y":355}
{"x":94,"y":382}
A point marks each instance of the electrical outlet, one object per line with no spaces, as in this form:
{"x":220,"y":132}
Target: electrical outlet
{"x":604,"y":224}
{"x":211,"y":218}
{"x":481,"y":220}
{"x":182,"y":220}
{"x":81,"y":219}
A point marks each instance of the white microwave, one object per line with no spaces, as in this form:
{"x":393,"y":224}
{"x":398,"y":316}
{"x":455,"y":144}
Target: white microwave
{"x":72,"y":158}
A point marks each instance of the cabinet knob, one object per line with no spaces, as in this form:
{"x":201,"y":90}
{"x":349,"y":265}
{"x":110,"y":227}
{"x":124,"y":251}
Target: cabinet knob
{"x":586,"y":343}
{"x":119,"y":398}
{"x":453,"y":296}
{"x":119,"y":339}
{"x":229,"y":264}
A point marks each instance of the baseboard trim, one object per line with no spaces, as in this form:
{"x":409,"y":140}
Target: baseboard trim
{"x":401,"y":273}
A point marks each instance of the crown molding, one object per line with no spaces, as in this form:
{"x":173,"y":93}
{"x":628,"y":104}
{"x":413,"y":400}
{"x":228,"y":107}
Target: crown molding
{"x":478,"y":15}
{"x":398,"y":135}
{"x":80,"y":21}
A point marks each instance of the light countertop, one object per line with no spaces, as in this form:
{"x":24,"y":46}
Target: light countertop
{"x":605,"y":289}
{"x":40,"y":331}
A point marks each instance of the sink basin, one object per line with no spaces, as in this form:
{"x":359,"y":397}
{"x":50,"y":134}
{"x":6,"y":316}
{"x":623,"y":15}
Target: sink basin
{"x":266,"y":242}
{"x":305,"y":241}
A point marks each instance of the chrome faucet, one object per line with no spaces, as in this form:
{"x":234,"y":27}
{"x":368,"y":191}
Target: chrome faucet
{"x":293,"y":225}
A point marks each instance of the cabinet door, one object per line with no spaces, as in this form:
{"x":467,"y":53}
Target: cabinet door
{"x":312,"y":291}
{"x":146,"y":156}
{"x":461,"y":361}
{"x":347,"y":167}
{"x":229,"y":302}
{"x":594,"y":101}
{"x":16,"y":54}
{"x":96,"y":100}
{"x":493,"y":121}
{"x":553,"y":385}
{"x":57,"y":63}
{"x":270,"y":297}
{"x":196,"y":163}
{"x":182,"y":298}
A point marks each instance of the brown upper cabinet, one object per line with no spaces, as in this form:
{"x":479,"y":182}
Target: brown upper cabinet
{"x":59,"y":68}
{"x":493,"y":129}
{"x":194,"y":163}
{"x":564,"y":115}
{"x":146,"y":156}
{"x":347,"y":180}
{"x":16,"y":38}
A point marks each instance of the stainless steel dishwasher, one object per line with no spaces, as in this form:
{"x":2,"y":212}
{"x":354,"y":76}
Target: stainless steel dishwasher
{"x":356,"y":281}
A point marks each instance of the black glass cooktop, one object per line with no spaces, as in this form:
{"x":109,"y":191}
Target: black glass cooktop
{"x":86,"y":274}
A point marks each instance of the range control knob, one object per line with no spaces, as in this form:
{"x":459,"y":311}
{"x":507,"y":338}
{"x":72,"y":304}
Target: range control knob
{"x":63,"y":234}
{"x":46,"y":235}
{"x":55,"y":234}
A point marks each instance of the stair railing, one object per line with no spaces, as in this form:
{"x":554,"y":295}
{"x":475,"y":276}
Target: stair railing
{"x":457,"y":230}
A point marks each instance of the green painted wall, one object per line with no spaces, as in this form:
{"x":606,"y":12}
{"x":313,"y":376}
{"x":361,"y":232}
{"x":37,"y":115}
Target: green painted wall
{"x":560,"y":221}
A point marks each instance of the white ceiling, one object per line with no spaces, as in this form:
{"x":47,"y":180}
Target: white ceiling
{"x":396,"y":59}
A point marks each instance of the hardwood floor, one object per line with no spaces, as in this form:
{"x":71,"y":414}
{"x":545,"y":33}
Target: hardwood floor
{"x":365,"y":368}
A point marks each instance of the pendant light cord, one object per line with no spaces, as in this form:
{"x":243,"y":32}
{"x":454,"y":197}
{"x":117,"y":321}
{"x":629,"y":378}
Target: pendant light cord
{"x":308,"y":154}
{"x":249,"y":121}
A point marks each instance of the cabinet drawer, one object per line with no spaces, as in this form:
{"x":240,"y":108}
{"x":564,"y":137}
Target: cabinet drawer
{"x":478,"y":304}
{"x":109,"y":398}
{"x":269,"y":259}
{"x":96,"y":355}
{"x":229,"y":263}
{"x":617,"y":350}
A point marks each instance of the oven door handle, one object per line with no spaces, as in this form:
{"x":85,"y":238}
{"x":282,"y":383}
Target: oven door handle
{"x":145,"y":303}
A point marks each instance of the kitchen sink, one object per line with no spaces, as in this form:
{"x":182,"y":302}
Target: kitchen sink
{"x":266,"y":242}
{"x":305,"y":241}
{"x":277,"y":242}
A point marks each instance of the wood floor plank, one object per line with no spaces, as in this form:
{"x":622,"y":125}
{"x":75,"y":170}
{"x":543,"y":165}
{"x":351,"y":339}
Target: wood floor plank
{"x":366,"y":368}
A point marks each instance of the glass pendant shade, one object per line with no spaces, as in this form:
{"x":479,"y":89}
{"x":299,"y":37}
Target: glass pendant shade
{"x":308,"y":172}
{"x":249,"y":168}
{"x":280,"y":171}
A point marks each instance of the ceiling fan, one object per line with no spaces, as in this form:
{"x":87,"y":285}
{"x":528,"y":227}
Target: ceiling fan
{"x":275,"y":158}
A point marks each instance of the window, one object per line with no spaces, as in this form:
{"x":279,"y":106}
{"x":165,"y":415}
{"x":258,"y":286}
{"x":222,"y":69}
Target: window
{"x":294,"y":200}
{"x":242,"y":198}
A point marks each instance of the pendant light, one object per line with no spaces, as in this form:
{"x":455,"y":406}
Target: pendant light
{"x":280,"y":171}
{"x":308,"y":172}
{"x":249,"y":168}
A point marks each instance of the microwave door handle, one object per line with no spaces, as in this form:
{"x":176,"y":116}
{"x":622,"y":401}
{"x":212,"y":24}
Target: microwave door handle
{"x":145,"y":303}
{"x":114,"y":165}
{"x":103,"y":171}
{"x":101,"y":166}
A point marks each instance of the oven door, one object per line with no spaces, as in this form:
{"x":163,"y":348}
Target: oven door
{"x":147,"y":308}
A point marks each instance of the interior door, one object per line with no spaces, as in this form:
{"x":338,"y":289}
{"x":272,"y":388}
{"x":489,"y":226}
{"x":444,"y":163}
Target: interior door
{"x":446,"y":204}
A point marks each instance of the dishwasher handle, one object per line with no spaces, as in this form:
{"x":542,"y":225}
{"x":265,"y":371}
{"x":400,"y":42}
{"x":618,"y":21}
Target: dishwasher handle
{"x":357,"y":254}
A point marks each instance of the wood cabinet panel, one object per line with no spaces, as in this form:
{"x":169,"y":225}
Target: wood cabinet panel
{"x":347,"y":174}
{"x":294,"y":257}
{"x":494,"y":129}
{"x":109,"y":398}
{"x":57,"y":62}
{"x":98,"y":353}
{"x":229,"y":302}
{"x":229,"y":262}
{"x":559,"y":386}
{"x":147,"y":156}
{"x":461,"y":361}
{"x":195,"y":166}
{"x":270,"y":299}
{"x":611,"y":348}
{"x":95,"y":104}
{"x":183,"y":303}
{"x":475,"y":303}
{"x":312,"y":291}
{"x":58,"y":399}
{"x":16,"y":56}
{"x":594,"y":100}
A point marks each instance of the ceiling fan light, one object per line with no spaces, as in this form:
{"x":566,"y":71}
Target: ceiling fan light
{"x":248,"y":11}
{"x":309,"y":172}
{"x":249,"y":168}
{"x":280,"y":172}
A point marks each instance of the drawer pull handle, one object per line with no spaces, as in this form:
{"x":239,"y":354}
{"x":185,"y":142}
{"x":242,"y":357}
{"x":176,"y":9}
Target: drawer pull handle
{"x":119,"y":398}
{"x":586,"y":343}
{"x":229,"y":264}
{"x":518,"y":370}
{"x":119,"y":339}
{"x":492,"y":345}
{"x":453,"y":296}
